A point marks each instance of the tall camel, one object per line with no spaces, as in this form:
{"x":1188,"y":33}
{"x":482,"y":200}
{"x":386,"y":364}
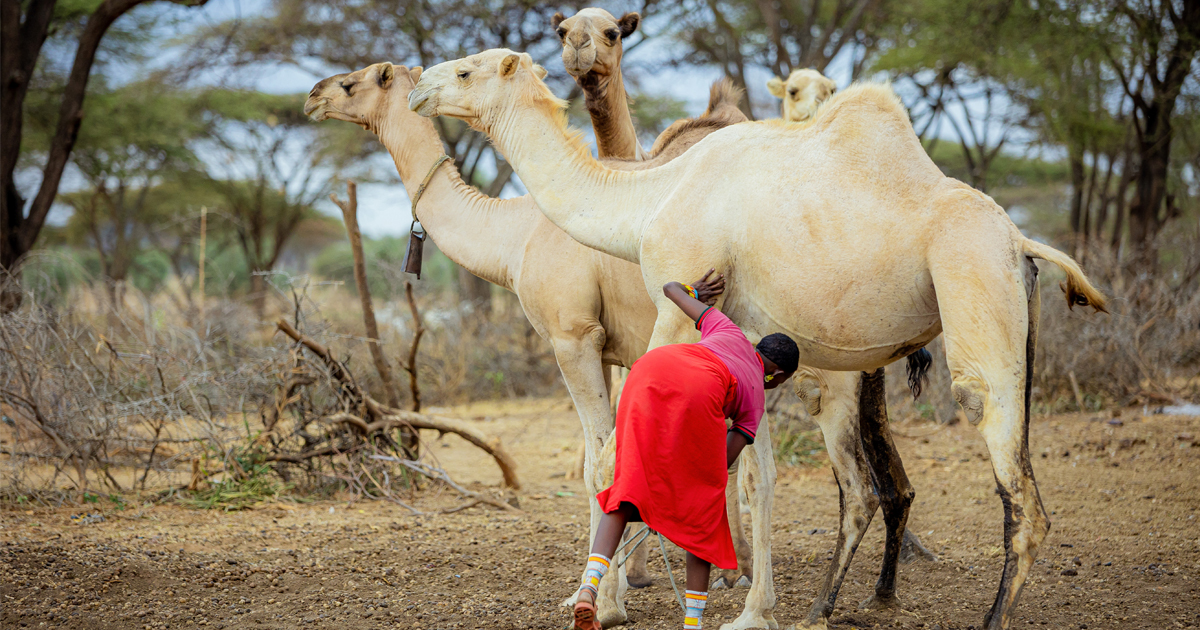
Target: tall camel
{"x":592,"y":51}
{"x":591,"y":307}
{"x":595,"y":36}
{"x":880,"y":253}
{"x":802,"y":93}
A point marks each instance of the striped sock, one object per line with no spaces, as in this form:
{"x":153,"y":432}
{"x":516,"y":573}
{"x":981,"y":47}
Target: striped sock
{"x":597,"y":566}
{"x":695,"y":601}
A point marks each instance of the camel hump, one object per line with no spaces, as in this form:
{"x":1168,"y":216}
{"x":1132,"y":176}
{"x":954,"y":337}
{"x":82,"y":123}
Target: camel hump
{"x":723,"y":99}
{"x":1078,"y":289}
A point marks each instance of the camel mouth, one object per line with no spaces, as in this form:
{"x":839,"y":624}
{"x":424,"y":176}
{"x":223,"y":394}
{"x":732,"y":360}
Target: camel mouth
{"x":315,"y":109}
{"x":420,"y":102}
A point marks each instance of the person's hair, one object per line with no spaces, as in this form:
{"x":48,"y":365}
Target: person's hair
{"x":781,"y":350}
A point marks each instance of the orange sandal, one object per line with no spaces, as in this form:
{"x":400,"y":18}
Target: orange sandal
{"x":585,"y":617}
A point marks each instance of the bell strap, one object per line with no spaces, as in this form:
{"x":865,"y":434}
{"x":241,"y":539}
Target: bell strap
{"x":421,"y":191}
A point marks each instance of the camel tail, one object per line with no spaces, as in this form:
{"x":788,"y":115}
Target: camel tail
{"x":723,"y":97}
{"x":1078,"y":289}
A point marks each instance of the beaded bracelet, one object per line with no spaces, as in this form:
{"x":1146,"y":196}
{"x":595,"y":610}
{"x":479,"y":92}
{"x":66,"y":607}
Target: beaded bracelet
{"x":691,"y":291}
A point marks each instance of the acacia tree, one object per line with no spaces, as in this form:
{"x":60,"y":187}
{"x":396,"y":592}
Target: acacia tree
{"x":269,"y":165}
{"x":1152,"y":46}
{"x":136,"y":138}
{"x":25,"y":27}
{"x":777,"y":35}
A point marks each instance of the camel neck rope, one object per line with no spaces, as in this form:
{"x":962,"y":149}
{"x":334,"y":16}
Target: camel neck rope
{"x":416,"y":223}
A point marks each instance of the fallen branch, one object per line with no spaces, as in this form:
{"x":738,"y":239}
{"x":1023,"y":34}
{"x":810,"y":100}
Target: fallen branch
{"x":384,"y":418}
{"x":440,"y":475}
{"x":393,"y":418}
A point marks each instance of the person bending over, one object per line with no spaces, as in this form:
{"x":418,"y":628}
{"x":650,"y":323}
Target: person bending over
{"x":673,"y":452}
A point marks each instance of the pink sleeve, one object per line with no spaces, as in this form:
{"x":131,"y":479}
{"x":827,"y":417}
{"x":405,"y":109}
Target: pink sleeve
{"x":714,"y":322}
{"x":747,"y":420}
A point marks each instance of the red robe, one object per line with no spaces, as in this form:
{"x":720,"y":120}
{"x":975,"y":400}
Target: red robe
{"x":671,"y":449}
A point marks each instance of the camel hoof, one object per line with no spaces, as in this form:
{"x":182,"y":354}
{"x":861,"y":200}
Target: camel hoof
{"x":720,"y":584}
{"x":875,"y":602}
{"x":611,"y":616}
{"x":570,"y":601}
{"x":639,"y":581}
{"x":743,"y":582}
{"x":749,"y":620}
{"x":912,"y":550}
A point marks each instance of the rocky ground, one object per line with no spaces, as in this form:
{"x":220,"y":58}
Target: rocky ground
{"x":1124,"y":550}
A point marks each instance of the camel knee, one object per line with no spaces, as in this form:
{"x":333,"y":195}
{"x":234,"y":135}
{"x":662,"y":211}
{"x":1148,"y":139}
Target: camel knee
{"x":970,"y":393}
{"x":808,"y":390}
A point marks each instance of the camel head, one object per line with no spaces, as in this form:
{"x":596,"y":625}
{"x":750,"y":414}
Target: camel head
{"x":592,"y":40}
{"x":360,"y":97}
{"x":478,"y":88}
{"x":803,"y":91}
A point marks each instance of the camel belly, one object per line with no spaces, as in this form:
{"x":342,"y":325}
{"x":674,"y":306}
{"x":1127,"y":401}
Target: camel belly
{"x":859,"y":324}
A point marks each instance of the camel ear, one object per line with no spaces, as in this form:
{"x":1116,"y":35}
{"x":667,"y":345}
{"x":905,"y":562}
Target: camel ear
{"x":775,"y":86}
{"x":385,"y":74}
{"x":509,"y":65}
{"x":556,"y":20}
{"x":830,"y":86}
{"x":629,"y":23}
{"x":414,"y":73}
{"x":539,"y":72}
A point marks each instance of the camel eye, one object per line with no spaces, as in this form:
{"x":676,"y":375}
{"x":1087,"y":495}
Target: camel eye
{"x":463,"y":75}
{"x":612,"y":34}
{"x":793,"y":93}
{"x":346,"y":87}
{"x":562,"y":33}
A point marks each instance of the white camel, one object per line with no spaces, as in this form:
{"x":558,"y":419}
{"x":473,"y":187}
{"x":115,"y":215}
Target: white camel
{"x":856,"y":245}
{"x":802,"y":93}
{"x":593,"y":47}
{"x":591,"y":307}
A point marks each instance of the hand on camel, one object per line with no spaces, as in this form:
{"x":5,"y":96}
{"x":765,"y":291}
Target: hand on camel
{"x":709,"y":290}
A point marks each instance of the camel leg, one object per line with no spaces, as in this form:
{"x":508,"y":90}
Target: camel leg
{"x":834,"y":407}
{"x":989,"y":307}
{"x":759,"y":475}
{"x":637,"y":574}
{"x":743,"y":575}
{"x":891,"y":483}
{"x":582,"y":370}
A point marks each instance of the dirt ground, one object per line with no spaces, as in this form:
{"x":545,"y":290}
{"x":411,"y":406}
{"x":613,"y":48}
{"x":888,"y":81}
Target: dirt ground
{"x":1123,"y":552}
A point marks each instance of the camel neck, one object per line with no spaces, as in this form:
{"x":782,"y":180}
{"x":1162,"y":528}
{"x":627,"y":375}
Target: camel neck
{"x":485,"y":236}
{"x":603,"y":209}
{"x":607,"y":103}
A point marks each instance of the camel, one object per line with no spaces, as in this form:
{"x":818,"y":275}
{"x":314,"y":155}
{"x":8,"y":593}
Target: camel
{"x":857,"y":246}
{"x":591,"y":307}
{"x":802,"y":93}
{"x":594,"y":36}
{"x":592,"y":51}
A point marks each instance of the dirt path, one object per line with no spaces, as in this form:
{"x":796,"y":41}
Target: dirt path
{"x":1124,"y":550}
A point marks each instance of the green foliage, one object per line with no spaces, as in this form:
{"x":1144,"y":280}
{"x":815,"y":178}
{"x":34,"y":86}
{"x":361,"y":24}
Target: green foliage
{"x":256,"y":486}
{"x":796,"y":446}
{"x":385,"y":259}
{"x":654,"y":113}
{"x":247,"y":481}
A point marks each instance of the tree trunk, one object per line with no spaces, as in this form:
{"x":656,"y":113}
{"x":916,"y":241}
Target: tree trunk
{"x":258,"y":292}
{"x":475,"y":290}
{"x":350,"y":218}
{"x":1075,"y":159}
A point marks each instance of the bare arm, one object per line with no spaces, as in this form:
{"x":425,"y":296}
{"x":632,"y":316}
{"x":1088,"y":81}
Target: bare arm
{"x":734,"y":443}
{"x":707,"y":292}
